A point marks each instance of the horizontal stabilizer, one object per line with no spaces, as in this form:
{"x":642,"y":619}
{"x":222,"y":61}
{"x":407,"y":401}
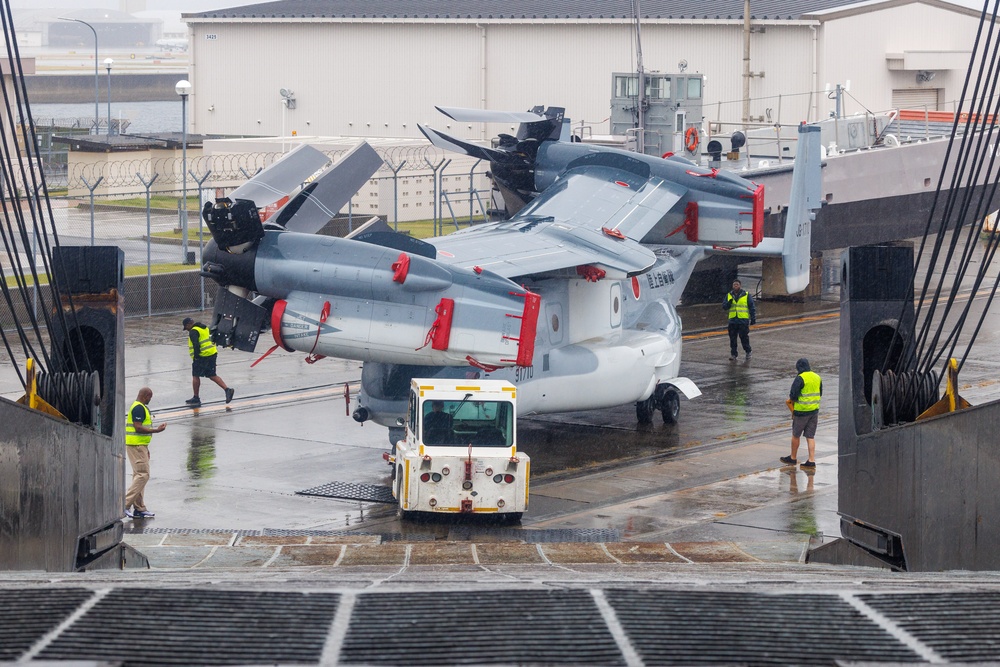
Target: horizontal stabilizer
{"x":447,"y":143}
{"x":284,"y":176}
{"x":803,"y":201}
{"x":319,"y":201}
{"x":487,"y":116}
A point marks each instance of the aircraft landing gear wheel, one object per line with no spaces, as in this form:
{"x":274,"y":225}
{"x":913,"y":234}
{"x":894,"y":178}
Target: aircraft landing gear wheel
{"x":670,"y":406}
{"x":644,"y":410}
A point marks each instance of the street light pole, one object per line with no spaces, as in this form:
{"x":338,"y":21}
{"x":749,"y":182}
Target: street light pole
{"x":183,"y":88}
{"x":108,"y":62}
{"x":97,"y":89}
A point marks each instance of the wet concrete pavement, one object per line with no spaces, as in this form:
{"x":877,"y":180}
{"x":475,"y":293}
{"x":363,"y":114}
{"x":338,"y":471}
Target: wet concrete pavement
{"x":654,"y":545}
{"x":714,"y":477}
{"x":596,"y":476}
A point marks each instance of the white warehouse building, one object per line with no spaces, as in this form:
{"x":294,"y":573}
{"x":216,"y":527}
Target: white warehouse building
{"x":377,"y":68}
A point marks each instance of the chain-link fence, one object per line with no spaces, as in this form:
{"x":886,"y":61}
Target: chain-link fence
{"x":163,"y":254}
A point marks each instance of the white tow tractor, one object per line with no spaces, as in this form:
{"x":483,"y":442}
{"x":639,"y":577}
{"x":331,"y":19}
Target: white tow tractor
{"x":459,"y":454}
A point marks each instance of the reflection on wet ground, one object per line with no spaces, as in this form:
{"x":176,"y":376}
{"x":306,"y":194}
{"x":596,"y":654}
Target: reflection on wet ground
{"x":201,"y":455}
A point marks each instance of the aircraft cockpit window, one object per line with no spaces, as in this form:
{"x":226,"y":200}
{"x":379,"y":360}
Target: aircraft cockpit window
{"x":464,"y":422}
{"x":694,"y":88}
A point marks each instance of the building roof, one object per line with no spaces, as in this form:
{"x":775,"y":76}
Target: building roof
{"x":529,"y":9}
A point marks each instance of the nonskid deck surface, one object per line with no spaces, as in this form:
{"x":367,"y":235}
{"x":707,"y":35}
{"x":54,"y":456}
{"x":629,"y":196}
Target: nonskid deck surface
{"x":570,"y":613}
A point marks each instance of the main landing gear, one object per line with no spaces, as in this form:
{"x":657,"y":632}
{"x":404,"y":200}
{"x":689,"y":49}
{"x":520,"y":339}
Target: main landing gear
{"x":665,"y":399}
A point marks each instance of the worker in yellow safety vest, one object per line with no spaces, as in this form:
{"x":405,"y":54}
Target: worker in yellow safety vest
{"x":804,"y":397}
{"x":138,"y":433}
{"x":203,"y":357}
{"x":742,"y":313}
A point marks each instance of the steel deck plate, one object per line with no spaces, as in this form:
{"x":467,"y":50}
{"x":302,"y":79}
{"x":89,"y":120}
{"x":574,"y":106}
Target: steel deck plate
{"x":367,"y":492}
{"x":197,"y":627}
{"x":28,"y":615}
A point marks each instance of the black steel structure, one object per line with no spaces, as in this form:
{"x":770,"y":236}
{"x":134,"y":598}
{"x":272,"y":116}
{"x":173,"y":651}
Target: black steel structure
{"x":919,"y":496}
{"x":62,"y":483}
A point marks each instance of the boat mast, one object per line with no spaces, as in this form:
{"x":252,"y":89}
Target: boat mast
{"x":746,"y":63}
{"x":641,"y":97}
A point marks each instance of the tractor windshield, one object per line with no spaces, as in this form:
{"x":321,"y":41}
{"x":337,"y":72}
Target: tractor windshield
{"x":463,"y":422}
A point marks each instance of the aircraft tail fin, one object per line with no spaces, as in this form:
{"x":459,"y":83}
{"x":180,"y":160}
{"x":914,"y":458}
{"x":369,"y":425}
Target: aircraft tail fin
{"x":803,"y":200}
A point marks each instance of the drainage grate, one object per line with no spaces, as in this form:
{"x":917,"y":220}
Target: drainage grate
{"x":536,"y":536}
{"x":368,"y":492}
{"x":28,"y":615}
{"x":694,"y":627}
{"x":409,"y":537}
{"x":508,"y":627}
{"x":961,"y":627}
{"x":307,"y":531}
{"x":193,"y":531}
{"x":199,"y":627}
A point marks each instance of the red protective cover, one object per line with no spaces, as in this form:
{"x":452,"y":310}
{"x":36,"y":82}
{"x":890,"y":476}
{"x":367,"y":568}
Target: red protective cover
{"x":441,"y":329}
{"x":529,"y":326}
{"x":276,"y":314}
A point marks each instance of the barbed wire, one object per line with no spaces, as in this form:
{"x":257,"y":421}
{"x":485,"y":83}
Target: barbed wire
{"x":223,"y":169}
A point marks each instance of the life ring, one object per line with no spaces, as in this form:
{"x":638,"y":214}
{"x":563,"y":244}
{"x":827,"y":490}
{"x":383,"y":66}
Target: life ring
{"x":691,"y":139}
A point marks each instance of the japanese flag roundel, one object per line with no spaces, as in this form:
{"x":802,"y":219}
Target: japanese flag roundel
{"x":635,"y":287}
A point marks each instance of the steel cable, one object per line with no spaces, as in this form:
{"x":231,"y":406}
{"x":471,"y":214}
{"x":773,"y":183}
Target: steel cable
{"x":15,"y":177}
{"x":973,"y":161}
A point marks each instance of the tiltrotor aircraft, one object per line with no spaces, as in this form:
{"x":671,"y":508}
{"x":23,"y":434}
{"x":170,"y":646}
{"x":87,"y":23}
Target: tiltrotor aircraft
{"x":572,"y":297}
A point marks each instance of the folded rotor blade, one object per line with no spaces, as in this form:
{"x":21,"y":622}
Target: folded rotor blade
{"x":458,"y":146}
{"x":319,"y":201}
{"x":282,"y":177}
{"x":487,"y":116}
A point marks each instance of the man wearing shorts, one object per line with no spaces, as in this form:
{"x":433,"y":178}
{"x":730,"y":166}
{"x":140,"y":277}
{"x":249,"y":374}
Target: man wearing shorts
{"x":203,"y":356}
{"x":807,"y":388}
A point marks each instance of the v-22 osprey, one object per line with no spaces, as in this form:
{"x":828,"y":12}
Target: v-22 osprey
{"x":571,"y":297}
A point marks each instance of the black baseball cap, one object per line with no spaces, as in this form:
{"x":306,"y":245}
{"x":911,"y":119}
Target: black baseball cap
{"x":187,"y":321}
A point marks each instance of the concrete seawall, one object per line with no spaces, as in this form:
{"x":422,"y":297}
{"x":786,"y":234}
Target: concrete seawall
{"x":75,"y":88}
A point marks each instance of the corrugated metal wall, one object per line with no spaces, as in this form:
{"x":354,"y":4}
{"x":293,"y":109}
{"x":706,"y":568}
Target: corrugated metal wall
{"x":379,"y":79}
{"x":855,"y":48}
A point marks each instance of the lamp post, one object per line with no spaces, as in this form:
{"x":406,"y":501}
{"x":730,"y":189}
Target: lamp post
{"x":97,"y":89}
{"x":108,"y":62}
{"x":183,"y":88}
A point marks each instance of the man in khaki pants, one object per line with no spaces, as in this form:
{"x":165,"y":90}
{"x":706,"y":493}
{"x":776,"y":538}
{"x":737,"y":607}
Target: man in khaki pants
{"x":138,"y":433}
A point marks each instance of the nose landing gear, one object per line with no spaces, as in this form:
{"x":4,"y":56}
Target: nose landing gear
{"x":665,"y":399}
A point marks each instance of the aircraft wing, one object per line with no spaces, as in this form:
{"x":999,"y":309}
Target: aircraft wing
{"x":590,"y":216}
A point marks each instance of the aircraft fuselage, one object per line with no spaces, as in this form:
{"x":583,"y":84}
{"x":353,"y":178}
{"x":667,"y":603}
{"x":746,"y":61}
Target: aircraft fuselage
{"x":598,"y":344}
